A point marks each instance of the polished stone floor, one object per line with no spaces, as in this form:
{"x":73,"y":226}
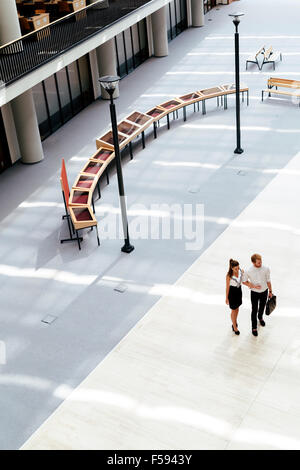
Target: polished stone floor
{"x":250,"y":204}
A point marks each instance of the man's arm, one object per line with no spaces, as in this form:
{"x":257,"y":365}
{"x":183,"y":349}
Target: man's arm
{"x":269,"y":282}
{"x":270,"y":288}
{"x":248,"y":283}
{"x":252,"y":286}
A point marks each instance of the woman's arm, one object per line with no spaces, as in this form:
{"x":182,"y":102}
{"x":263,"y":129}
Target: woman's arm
{"x":248,"y":283}
{"x":252,"y":286}
{"x":227,"y":289}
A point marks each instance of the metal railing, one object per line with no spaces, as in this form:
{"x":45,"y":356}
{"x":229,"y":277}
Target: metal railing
{"x":29,"y":52}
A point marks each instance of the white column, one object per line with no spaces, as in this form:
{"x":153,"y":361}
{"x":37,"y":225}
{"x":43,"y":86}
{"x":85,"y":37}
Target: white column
{"x":160,"y":32}
{"x":95,"y":73}
{"x":149,"y":35}
{"x":27,"y":128}
{"x":189,"y":13}
{"x":22,"y":107}
{"x":10,"y":131}
{"x":9,"y":22}
{"x":107,"y":64}
{"x":197,"y":13}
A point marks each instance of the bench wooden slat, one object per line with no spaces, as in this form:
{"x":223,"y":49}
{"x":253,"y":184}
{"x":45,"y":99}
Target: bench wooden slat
{"x":281,"y":92}
{"x":283,"y":82}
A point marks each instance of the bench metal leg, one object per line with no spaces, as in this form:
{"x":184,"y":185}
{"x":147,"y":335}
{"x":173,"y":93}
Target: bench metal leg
{"x":107,"y":176}
{"x":184,"y":113}
{"x":225,"y":102}
{"x":130,"y":151}
{"x":97,"y":235}
{"x":71,"y":229}
{"x":143,"y":139}
{"x":154,"y":130}
{"x":168,"y":121}
{"x":247,"y":97}
{"x":203,"y":107}
{"x":262,"y":95}
{"x":78,"y":239}
{"x":99,"y":192}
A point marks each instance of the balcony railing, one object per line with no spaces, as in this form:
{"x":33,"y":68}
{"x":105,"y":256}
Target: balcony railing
{"x":29,"y":52}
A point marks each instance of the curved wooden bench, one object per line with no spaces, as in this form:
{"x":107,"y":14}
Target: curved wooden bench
{"x":81,"y":201}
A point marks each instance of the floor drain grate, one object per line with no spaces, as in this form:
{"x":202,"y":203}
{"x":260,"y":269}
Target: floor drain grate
{"x":121,"y":288}
{"x":49,"y":319}
{"x":194,"y":189}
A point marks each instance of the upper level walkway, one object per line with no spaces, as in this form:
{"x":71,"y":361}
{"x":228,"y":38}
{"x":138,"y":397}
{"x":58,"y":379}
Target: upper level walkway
{"x":249,"y":386}
{"x":39,"y":47}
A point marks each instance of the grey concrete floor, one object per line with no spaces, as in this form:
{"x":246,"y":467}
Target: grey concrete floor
{"x":41,"y":277}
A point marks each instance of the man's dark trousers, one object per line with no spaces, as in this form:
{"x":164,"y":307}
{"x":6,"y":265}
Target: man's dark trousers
{"x":258,"y":302}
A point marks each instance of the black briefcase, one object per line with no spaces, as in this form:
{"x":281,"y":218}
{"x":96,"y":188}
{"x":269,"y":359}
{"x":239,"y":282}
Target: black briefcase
{"x":271,"y":304}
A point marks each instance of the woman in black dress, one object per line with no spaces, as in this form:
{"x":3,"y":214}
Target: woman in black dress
{"x":234,"y":291}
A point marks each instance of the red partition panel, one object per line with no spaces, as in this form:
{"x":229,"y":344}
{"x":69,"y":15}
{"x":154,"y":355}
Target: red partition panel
{"x":64,"y":182}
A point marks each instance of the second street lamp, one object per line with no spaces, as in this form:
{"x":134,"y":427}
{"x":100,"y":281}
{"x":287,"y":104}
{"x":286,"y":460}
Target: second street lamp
{"x":236,"y":22}
{"x":109,"y":83}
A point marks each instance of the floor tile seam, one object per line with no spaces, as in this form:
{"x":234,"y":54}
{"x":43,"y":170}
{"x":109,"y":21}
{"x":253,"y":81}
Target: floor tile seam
{"x":254,"y":400}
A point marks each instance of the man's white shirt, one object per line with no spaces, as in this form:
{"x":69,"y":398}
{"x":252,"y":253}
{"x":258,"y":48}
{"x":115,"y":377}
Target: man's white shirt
{"x":258,"y":276}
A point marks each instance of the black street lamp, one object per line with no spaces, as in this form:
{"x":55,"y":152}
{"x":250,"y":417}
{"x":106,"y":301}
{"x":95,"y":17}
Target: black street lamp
{"x":236,"y":22}
{"x":109,"y":83}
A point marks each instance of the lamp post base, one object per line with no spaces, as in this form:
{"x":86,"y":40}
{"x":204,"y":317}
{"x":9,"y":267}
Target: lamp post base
{"x":238,"y":150}
{"x":127,"y":248}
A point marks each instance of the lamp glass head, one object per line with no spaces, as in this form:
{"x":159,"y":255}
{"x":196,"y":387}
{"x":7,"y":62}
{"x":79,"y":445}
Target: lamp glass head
{"x":109,"y":82}
{"x":236,"y":15}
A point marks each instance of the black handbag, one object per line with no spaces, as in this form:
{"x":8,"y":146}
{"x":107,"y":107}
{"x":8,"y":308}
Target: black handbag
{"x":271,"y":305}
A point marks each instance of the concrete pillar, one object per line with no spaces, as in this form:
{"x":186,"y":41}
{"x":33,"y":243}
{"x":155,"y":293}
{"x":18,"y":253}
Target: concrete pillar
{"x":9,"y":22}
{"x":189,"y":13}
{"x":107,"y":64}
{"x":149,"y":35}
{"x":160,"y":32}
{"x":27,"y":128}
{"x":10,"y":131}
{"x":22,"y":107}
{"x":197,"y":8}
{"x":95,"y":73}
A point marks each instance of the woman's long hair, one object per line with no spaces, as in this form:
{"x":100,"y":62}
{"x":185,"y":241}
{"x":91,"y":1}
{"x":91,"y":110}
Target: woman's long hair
{"x":232,"y":264}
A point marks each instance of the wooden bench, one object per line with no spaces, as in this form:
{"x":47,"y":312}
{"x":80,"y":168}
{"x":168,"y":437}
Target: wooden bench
{"x":79,"y":216}
{"x":270,"y":57}
{"x":253,"y":57}
{"x":285,"y":83}
{"x":78,"y":202}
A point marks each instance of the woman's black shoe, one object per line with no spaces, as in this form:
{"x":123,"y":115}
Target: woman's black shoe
{"x":254,"y":332}
{"x":235,"y":332}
